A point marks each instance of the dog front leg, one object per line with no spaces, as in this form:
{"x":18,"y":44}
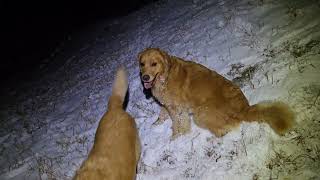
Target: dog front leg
{"x":163,"y":116}
{"x":180,"y":122}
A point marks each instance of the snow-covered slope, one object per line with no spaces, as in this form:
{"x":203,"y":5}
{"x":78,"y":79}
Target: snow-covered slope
{"x":270,"y":48}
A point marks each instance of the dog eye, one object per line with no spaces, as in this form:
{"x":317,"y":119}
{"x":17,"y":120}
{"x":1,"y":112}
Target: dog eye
{"x":141,"y":64}
{"x":153,"y":64}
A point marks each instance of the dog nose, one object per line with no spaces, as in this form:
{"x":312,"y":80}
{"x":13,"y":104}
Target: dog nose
{"x":145,"y":77}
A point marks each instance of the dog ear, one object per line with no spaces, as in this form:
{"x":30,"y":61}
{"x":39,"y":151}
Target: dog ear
{"x":166,"y":57}
{"x":139,"y":55}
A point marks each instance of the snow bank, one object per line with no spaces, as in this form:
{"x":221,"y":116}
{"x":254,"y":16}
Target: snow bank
{"x":271,"y":49}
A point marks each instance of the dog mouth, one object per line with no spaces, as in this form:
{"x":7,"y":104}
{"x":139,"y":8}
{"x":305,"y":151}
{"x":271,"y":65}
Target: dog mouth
{"x":150,"y":84}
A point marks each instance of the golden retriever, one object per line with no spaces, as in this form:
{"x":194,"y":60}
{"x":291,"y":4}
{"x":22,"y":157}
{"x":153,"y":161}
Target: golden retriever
{"x":186,"y":88}
{"x":116,"y":148}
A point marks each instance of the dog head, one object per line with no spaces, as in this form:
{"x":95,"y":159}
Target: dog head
{"x":154,"y":65}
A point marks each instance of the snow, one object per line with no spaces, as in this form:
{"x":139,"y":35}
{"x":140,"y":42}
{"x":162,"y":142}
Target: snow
{"x":270,"y":48}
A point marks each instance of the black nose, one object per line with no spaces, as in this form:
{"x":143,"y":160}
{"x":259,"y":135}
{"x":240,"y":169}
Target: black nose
{"x":145,"y":77}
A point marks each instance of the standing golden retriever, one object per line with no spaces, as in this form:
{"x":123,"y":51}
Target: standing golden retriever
{"x":116,"y":148}
{"x":185,"y":87}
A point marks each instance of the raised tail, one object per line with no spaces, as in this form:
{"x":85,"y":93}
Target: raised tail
{"x":277,"y":114}
{"x":119,"y":89}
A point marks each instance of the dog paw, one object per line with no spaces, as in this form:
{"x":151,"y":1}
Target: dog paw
{"x":175,"y":136}
{"x":220,"y":132}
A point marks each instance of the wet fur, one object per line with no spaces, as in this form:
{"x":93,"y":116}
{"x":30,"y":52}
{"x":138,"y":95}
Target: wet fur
{"x":116,"y":148}
{"x":185,"y":87}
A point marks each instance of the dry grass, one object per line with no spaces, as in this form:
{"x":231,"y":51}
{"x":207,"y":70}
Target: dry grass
{"x":242,"y":75}
{"x":167,"y":157}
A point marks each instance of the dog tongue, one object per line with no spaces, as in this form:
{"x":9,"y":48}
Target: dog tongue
{"x":148,"y":85}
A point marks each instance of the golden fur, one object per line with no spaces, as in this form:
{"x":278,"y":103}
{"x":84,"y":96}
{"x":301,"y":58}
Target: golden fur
{"x":185,"y":87}
{"x":116,"y":148}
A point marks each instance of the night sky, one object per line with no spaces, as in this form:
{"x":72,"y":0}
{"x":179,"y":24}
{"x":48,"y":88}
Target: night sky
{"x":31,"y":30}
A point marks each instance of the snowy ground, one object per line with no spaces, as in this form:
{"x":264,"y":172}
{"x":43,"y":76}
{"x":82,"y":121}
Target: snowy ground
{"x":270,"y":48}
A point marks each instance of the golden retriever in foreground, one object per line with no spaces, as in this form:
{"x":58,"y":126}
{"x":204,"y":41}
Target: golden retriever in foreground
{"x":116,"y":148}
{"x":185,"y":87}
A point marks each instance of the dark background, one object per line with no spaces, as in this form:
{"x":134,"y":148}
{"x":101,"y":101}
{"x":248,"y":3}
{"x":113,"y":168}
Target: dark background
{"x":30,"y":30}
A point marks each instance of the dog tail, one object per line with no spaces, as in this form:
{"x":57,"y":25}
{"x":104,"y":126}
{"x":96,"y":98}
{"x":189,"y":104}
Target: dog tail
{"x":119,"y":89}
{"x":278,"y":115}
